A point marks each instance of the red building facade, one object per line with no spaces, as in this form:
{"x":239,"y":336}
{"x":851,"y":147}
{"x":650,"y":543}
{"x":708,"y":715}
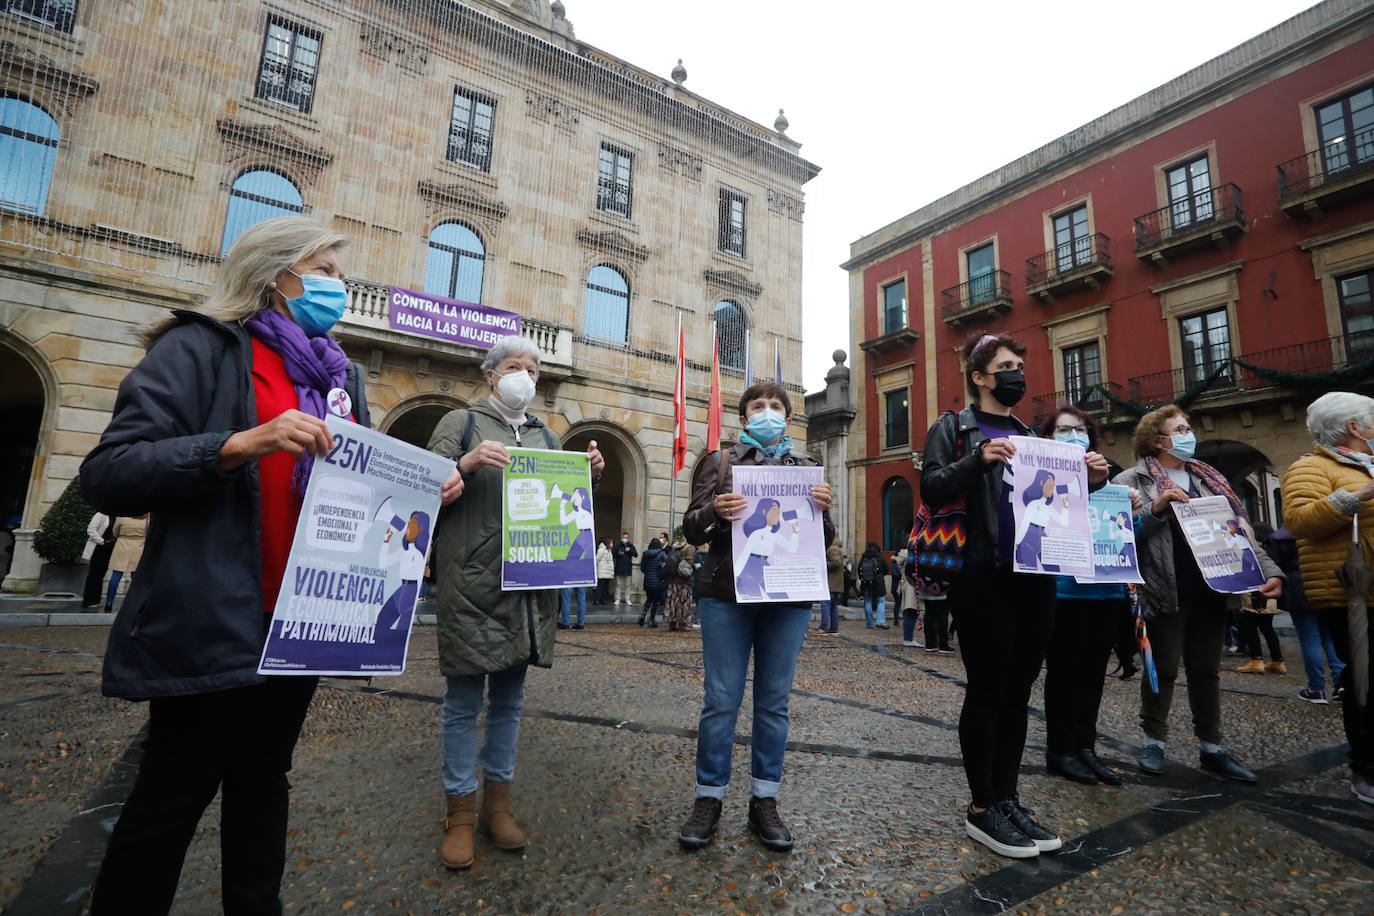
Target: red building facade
{"x":1227,"y":215}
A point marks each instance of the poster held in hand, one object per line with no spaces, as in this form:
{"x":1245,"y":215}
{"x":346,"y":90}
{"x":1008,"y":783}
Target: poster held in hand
{"x":1220,"y":545}
{"x":347,"y":600}
{"x":778,"y":542}
{"x":547,"y":520}
{"x":1109,"y":518}
{"x":1049,"y":503}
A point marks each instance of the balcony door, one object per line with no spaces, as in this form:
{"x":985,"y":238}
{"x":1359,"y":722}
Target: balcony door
{"x":982,"y":279}
{"x":1206,"y":339}
{"x":1072,"y":242}
{"x":1356,"y":292}
{"x":1346,"y":130}
{"x":1190,"y":193}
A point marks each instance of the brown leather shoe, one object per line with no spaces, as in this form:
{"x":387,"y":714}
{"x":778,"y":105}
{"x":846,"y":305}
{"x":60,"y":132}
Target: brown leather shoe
{"x":497,"y":819}
{"x":459,"y":821}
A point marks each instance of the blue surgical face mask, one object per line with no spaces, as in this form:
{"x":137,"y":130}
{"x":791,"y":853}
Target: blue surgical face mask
{"x":1184,"y":446}
{"x":1076,"y":438}
{"x":767,"y":425}
{"x":320,"y":305}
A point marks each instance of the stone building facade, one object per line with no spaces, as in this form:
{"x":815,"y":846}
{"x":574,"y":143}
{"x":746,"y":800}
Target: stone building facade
{"x":479,"y":151}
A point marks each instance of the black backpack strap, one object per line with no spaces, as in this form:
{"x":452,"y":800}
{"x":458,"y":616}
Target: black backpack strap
{"x":465,"y":444}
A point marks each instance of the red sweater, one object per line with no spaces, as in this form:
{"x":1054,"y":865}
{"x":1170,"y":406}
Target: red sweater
{"x":280,"y":507}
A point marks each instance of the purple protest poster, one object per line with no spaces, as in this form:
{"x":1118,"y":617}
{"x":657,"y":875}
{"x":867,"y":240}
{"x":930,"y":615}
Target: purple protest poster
{"x":449,"y":319}
{"x":778,"y":542}
{"x":1049,"y":504}
{"x":1221,"y":545}
{"x":546,"y":520}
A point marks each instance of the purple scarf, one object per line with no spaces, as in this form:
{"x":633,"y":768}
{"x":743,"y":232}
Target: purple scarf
{"x":315,"y":364}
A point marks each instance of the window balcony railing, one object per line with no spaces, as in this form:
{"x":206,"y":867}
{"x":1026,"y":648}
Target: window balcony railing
{"x":1159,"y":388}
{"x":60,"y":14}
{"x":1090,"y":399}
{"x":1337,"y":171}
{"x":1211,"y":215}
{"x":1085,"y":261}
{"x":983,"y":296}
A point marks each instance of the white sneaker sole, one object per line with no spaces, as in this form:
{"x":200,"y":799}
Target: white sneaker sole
{"x":1364,"y":798}
{"x":1002,"y":849}
{"x":1053,"y":845}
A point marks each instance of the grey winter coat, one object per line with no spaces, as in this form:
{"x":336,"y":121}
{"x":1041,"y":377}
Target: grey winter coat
{"x":483,"y":629}
{"x":1155,"y":547}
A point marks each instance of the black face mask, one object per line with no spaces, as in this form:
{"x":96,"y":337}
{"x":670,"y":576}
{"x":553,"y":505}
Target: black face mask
{"x":1011,"y":386}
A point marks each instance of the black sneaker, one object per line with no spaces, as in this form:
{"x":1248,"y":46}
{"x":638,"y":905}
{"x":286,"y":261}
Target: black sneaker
{"x":993,"y":830}
{"x":562,"y":626}
{"x":1020,"y":816}
{"x":1223,"y":764}
{"x":701,"y":824}
{"x":767,"y":823}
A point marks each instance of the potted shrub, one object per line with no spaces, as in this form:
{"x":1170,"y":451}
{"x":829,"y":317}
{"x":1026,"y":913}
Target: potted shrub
{"x":59,"y":540}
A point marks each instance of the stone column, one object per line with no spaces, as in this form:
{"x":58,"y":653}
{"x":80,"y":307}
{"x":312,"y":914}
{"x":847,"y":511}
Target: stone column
{"x":23,"y":574}
{"x":829,"y":414}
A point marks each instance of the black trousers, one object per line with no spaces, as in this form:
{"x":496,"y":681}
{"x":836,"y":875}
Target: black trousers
{"x":1075,"y":666}
{"x":1126,"y":647}
{"x":1359,"y":723}
{"x":237,"y":740}
{"x":1251,"y":626}
{"x":95,"y":575}
{"x":1005,"y":620}
{"x":603,"y":592}
{"x":937,"y":624}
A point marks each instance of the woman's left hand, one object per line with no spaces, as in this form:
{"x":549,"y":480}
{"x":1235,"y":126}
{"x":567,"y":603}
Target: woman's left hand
{"x":1098,"y":469}
{"x":820,"y":495}
{"x":1272,"y":587}
{"x":452,"y":489}
{"x":595,"y":458}
{"x":1137,"y":501}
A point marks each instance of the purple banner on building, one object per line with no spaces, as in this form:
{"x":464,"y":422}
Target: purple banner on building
{"x":449,"y":319}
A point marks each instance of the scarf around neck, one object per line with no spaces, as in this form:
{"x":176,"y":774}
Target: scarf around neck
{"x":316,"y":365}
{"x":1363,"y":459}
{"x":1209,"y":475}
{"x":782,"y":447}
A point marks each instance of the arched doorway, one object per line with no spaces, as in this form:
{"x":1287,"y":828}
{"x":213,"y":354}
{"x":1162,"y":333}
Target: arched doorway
{"x":619,"y":501}
{"x":1248,"y":471}
{"x":27,"y":394}
{"x":413,"y":420}
{"x":898,"y":512}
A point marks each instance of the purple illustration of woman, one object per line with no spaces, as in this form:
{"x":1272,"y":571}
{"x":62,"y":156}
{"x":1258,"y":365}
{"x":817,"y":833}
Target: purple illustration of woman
{"x":576,"y":507}
{"x":1038,"y":499}
{"x":410,"y":551}
{"x":761,"y":539}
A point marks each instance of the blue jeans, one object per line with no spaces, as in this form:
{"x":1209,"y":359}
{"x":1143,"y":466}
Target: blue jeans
{"x":729,"y":632}
{"x":908,"y":624}
{"x":462,"y":703}
{"x":875,"y":604}
{"x":830,"y":613}
{"x":1315,"y":639}
{"x":566,"y":602}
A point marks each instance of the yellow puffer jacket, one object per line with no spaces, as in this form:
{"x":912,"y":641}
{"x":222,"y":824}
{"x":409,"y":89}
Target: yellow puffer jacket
{"x":1323,"y":530}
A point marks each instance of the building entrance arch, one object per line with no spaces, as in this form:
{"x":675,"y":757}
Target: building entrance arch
{"x":1249,"y":471}
{"x":28,"y":400}
{"x":619,"y":500}
{"x":413,"y":420}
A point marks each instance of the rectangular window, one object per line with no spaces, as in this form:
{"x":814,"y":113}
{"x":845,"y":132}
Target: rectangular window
{"x":1356,"y":294}
{"x":1190,"y":192}
{"x":60,"y":14}
{"x":732,"y":223}
{"x":894,"y":306}
{"x":1345,"y":127}
{"x":1072,"y":244}
{"x":290,"y":61}
{"x":1083,"y":375}
{"x":982,"y":267}
{"x":469,"y":129}
{"x":1206,"y":340}
{"x":898,"y":418}
{"x":613,"y":186}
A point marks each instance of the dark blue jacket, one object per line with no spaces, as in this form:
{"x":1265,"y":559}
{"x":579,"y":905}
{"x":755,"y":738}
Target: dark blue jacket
{"x":651,"y":565}
{"x":624,"y":558}
{"x":193,"y":619}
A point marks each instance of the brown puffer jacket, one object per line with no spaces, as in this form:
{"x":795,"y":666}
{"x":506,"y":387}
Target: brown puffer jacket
{"x":1322,"y":524}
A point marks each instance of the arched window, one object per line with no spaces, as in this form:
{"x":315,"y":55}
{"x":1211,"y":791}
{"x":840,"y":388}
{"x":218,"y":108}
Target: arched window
{"x":899,"y":512}
{"x":28,"y":148}
{"x":258,"y":195}
{"x":730,"y":328}
{"x":457,"y":260}
{"x":608,"y":305}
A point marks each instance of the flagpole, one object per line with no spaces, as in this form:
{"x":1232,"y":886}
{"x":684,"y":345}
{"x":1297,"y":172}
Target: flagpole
{"x":672,"y":488}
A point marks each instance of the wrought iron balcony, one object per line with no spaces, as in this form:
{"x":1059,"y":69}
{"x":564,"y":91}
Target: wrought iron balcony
{"x":982,"y":297}
{"x":1082,"y":262}
{"x":1160,"y":388}
{"x":1336,"y":172}
{"x":1209,"y":216}
{"x":1090,"y":399}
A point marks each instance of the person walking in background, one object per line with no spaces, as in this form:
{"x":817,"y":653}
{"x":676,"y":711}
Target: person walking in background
{"x":128,"y":551}
{"x":679,"y":568}
{"x":1314,"y":637}
{"x":909,"y":600}
{"x":830,"y":610}
{"x":1257,"y":617}
{"x":872,"y":587}
{"x":605,"y":572}
{"x":624,"y":553}
{"x":99,"y":544}
{"x":850,"y":581}
{"x":655,"y":587}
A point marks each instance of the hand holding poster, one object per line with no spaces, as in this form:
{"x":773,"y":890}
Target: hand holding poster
{"x":1049,"y":502}
{"x":1220,"y":545}
{"x":547,"y":520}
{"x":348,"y":598}
{"x":779,"y":540}
{"x":1109,"y":518}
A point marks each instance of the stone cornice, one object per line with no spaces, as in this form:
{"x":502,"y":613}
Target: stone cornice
{"x":732,"y":280}
{"x":24,"y":68}
{"x":612,"y":241}
{"x":277,"y":141}
{"x":463,"y":197}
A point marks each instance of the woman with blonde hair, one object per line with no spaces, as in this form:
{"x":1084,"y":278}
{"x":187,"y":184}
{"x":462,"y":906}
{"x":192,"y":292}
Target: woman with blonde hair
{"x":214,"y":432}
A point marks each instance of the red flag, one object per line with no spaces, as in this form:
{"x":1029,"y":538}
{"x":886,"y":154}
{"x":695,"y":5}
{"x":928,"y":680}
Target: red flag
{"x":680,"y":403}
{"x":713,"y":406}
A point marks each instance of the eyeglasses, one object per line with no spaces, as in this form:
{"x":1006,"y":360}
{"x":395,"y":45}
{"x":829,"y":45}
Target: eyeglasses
{"x":1181,"y":431}
{"x":1071,"y":429}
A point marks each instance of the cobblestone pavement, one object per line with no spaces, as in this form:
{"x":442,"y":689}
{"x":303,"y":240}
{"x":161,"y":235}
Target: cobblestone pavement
{"x":873,"y":790}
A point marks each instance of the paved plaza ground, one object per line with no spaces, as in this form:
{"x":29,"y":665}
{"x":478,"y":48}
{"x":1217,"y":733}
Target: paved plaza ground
{"x":873,"y":791}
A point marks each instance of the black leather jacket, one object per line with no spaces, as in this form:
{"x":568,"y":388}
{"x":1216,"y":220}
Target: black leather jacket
{"x":954,"y":469}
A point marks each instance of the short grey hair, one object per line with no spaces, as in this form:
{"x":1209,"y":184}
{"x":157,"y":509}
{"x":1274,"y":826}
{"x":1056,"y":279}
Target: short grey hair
{"x":1328,"y":415}
{"x":512,"y":345}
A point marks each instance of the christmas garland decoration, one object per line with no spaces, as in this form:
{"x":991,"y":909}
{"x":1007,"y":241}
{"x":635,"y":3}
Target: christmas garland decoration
{"x":1184,"y":400}
{"x":1361,"y":370}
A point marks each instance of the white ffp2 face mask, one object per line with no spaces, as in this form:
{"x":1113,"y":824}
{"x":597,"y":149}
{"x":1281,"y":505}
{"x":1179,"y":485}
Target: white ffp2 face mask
{"x":516,"y":389}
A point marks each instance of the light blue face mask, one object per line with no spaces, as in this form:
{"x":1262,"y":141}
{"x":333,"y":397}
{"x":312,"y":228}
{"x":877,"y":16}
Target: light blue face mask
{"x":767,"y":425}
{"x":1076,"y":438}
{"x":320,"y":305}
{"x":1184,"y":446}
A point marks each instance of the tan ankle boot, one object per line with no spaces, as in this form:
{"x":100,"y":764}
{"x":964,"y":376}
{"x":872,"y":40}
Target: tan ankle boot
{"x":497,"y":817}
{"x":459,"y":821}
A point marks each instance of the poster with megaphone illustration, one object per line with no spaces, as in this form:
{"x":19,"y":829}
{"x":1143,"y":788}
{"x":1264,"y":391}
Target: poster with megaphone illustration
{"x":778,"y":541}
{"x":1049,"y":508}
{"x":1221,"y":544}
{"x":347,"y":600}
{"x":547,"y":520}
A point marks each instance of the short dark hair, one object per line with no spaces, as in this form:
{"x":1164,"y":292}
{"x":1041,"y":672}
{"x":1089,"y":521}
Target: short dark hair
{"x":1047,"y":428}
{"x":765,"y":390}
{"x":979,"y":350}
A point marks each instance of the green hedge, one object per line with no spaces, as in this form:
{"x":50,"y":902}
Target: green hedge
{"x":61,"y":535}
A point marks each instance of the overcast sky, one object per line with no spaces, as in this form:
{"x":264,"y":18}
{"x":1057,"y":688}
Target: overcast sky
{"x":902,"y":101}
